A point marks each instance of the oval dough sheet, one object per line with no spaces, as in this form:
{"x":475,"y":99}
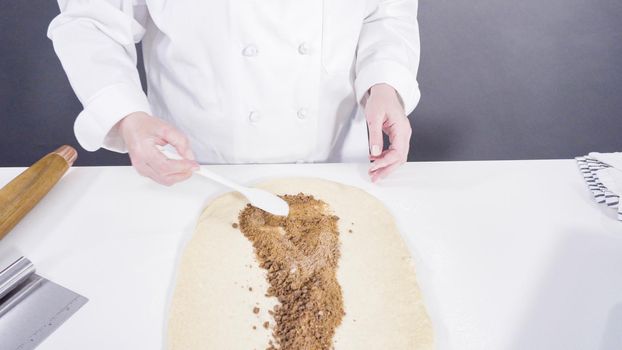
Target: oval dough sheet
{"x":212,"y":304}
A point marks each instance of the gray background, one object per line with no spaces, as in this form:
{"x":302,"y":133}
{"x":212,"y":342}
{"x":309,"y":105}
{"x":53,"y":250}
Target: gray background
{"x":500,"y":80}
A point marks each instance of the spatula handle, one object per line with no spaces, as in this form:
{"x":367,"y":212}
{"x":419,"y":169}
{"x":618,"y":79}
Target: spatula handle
{"x":20,"y":195}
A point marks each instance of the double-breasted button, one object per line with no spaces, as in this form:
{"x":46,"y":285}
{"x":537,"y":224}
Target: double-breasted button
{"x":250,"y":51}
{"x":254,"y":117}
{"x":302,"y":113}
{"x":304,"y":49}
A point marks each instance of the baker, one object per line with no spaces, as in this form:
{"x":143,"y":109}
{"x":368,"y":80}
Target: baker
{"x":242,"y":81}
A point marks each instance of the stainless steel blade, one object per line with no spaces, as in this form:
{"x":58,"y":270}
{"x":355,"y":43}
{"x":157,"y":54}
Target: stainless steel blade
{"x":32,"y":307}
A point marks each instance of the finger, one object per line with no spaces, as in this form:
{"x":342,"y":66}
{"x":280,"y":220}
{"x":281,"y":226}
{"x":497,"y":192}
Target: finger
{"x":374,"y":127}
{"x":170,"y":179}
{"x":384,"y":172}
{"x":141,"y":167}
{"x":374,"y":159}
{"x":178,"y":140}
{"x":146,"y":171}
{"x":399,"y":135}
{"x":388,"y":158}
{"x":165,"y":166}
{"x":179,"y":177}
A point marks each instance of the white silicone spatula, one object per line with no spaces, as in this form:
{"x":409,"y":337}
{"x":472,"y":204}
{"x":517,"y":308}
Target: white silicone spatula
{"x":258,"y":198}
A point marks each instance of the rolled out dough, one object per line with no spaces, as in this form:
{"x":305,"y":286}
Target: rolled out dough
{"x":219,"y":281}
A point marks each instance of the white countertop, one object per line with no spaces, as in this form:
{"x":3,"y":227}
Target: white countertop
{"x":510,"y":255}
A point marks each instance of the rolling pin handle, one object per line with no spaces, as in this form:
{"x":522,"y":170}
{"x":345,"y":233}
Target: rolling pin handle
{"x":20,"y":195}
{"x":68,"y":153}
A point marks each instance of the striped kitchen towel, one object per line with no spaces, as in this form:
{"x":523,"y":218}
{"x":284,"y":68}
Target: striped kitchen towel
{"x":603,"y":174}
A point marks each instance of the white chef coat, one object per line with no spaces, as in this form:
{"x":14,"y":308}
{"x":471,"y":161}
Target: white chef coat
{"x":247,"y":81}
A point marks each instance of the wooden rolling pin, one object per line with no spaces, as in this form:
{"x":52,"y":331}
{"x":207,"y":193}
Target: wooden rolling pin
{"x":20,"y":195}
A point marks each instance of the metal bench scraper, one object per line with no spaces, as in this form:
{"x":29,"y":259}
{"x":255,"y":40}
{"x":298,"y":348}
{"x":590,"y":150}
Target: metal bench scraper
{"x":31,"y":307}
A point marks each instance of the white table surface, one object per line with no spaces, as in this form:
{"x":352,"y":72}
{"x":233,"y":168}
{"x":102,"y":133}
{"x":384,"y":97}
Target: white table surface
{"x":510,"y":255}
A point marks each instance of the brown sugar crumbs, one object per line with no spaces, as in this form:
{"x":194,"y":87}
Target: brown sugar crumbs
{"x":235,"y":225}
{"x":255,"y":310}
{"x":300,"y":253}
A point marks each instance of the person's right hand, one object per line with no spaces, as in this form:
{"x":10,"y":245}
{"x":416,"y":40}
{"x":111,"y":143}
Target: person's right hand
{"x":142,"y":133}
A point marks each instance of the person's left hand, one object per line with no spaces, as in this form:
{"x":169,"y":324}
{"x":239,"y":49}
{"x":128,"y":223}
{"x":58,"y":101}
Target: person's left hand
{"x":385,"y":113}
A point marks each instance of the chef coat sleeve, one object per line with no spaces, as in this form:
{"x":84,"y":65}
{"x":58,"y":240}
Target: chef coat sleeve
{"x":95,"y":42}
{"x":388,"y":51}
